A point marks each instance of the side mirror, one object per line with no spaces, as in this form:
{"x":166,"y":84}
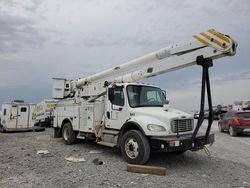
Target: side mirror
{"x":111,"y":94}
{"x":164,"y":94}
{"x":167,"y":101}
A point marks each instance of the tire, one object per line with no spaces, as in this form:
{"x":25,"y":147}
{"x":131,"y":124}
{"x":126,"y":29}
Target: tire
{"x":2,"y":129}
{"x":69,"y":136}
{"x":232,"y":131}
{"x":135,"y":147}
{"x":180,"y":152}
{"x":220,"y":128}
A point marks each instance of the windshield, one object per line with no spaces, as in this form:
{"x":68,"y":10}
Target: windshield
{"x":244,"y":114}
{"x":139,"y":96}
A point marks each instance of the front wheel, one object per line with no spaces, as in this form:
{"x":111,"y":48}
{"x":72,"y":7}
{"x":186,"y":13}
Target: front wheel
{"x":69,"y":136}
{"x":135,"y":147}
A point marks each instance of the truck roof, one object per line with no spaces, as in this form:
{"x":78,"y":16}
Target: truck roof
{"x":137,"y":83}
{"x":48,"y":100}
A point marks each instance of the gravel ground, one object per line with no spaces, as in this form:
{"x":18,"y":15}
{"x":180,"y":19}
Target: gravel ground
{"x":20,"y":166}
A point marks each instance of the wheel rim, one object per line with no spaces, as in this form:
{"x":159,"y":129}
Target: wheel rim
{"x":66,"y":133}
{"x":131,"y":148}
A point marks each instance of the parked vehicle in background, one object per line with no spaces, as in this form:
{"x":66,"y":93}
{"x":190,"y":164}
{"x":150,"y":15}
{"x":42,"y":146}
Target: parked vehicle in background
{"x":241,"y":105}
{"x":235,"y":122}
{"x":219,"y":110}
{"x":44,"y":112}
{"x":18,"y":116}
{"x":197,"y":114}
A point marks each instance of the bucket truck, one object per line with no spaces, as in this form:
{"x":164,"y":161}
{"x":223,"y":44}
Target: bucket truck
{"x":117,"y":111}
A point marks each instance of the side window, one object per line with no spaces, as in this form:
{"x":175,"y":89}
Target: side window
{"x":4,"y":112}
{"x":23,"y":109}
{"x":118,"y":97}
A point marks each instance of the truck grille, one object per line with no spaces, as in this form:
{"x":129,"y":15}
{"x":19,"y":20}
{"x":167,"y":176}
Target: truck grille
{"x":183,"y":125}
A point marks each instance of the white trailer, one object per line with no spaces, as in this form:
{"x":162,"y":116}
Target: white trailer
{"x":44,"y":112}
{"x":18,"y":116}
{"x":135,"y":117}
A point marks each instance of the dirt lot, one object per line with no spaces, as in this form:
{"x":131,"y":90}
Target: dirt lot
{"x":21,"y":166}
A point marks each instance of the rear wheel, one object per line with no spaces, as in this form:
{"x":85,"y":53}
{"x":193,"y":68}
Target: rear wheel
{"x":135,"y":147}
{"x":2,"y":129}
{"x":69,"y":136}
{"x":220,"y":128}
{"x":232,"y":131}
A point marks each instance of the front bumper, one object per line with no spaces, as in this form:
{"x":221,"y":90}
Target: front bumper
{"x":182,"y":143}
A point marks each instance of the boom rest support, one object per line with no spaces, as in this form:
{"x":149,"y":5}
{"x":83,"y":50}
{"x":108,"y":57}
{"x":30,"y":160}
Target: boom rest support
{"x":205,"y":63}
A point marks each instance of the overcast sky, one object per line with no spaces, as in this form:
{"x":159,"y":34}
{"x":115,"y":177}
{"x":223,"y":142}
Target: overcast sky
{"x":41,"y":39}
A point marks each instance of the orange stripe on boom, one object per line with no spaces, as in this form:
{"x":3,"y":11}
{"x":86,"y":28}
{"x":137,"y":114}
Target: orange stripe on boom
{"x":213,"y":40}
{"x":201,"y":40}
{"x":212,"y":31}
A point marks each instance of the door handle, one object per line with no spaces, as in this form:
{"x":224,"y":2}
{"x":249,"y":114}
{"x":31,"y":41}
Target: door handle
{"x":108,"y":115}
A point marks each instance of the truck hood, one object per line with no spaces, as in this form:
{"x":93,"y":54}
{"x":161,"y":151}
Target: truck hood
{"x":161,"y":113}
{"x":158,"y":116}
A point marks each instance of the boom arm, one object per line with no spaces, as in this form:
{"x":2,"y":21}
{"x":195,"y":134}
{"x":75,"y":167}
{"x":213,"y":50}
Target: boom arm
{"x":209,"y":44}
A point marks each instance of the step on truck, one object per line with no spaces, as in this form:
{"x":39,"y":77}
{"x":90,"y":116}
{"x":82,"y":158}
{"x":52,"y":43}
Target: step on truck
{"x":117,"y":111}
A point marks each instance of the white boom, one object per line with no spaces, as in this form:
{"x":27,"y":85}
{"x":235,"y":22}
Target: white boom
{"x":210,"y":44}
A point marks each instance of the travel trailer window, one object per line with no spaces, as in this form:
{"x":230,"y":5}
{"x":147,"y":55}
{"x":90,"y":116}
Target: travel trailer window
{"x":23,"y":109}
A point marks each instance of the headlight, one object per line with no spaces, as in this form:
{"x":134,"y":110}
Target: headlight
{"x":156,"y":128}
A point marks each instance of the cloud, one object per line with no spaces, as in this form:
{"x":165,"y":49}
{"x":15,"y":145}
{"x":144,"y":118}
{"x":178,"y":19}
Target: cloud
{"x":33,"y":6}
{"x":122,"y":40}
{"x":19,"y":33}
{"x":223,"y":92}
{"x":77,"y":38}
{"x":241,"y":75}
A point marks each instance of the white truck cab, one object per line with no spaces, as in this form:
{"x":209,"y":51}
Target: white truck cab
{"x":145,"y":106}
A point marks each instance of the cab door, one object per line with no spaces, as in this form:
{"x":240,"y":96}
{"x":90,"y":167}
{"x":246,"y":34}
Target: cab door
{"x":23,"y":116}
{"x":115,"y":112}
